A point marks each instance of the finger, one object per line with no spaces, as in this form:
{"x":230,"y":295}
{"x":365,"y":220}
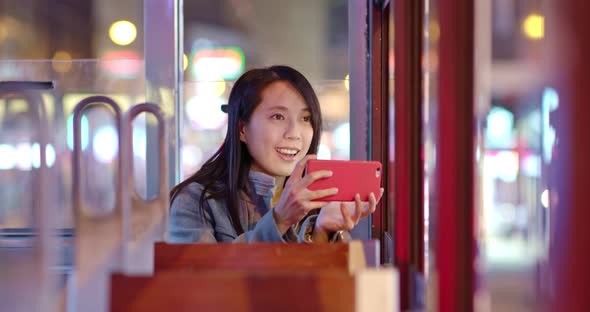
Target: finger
{"x":372,"y":202}
{"x":316,"y":175}
{"x":348,"y":222}
{"x":357,"y":208}
{"x":313,"y":195}
{"x":299,"y":168}
{"x":311,"y":205}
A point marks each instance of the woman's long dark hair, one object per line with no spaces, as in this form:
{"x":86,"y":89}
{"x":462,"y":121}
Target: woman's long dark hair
{"x":225,"y":174}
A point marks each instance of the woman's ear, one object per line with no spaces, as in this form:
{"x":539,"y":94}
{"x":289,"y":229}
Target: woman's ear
{"x":241,"y":126}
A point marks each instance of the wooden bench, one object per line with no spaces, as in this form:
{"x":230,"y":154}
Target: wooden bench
{"x":348,"y":257}
{"x":257,"y":290}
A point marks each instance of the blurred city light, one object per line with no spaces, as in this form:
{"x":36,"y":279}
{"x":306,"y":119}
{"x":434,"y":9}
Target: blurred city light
{"x":61,"y":61}
{"x":50,"y":155}
{"x":105,"y":144}
{"x":433,"y":31}
{"x":184,"y":61}
{"x":347,"y":82}
{"x":500,"y":123}
{"x":324,"y":152}
{"x":8,"y":26}
{"x":431,"y":60}
{"x":211,"y":88}
{"x":122,"y":32}
{"x":225,"y":62}
{"x":533,"y":26}
{"x":3,"y":31}
{"x":531,"y":165}
{"x":24,"y":159}
{"x":391,"y":57}
{"x":506,"y":166}
{"x":341,"y":137}
{"x":70,"y":131}
{"x":204,"y":112}
{"x":545,"y":198}
{"x":121,"y":64}
{"x":36,"y":155}
{"x":139,"y":143}
{"x":549,"y":103}
{"x":192,"y":155}
{"x":7,"y":157}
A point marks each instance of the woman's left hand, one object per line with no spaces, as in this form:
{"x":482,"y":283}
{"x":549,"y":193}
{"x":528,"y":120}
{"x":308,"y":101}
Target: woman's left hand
{"x":343,"y":216}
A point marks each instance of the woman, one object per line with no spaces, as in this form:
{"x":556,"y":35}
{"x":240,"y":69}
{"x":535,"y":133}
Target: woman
{"x":252,"y":188}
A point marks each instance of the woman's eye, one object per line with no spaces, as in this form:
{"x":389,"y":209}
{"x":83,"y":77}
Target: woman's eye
{"x":307,"y":118}
{"x":278,"y":117}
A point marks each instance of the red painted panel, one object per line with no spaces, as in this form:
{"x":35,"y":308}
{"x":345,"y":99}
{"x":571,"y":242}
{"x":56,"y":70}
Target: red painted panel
{"x":569,"y":47}
{"x":455,"y":158}
{"x":376,"y":90}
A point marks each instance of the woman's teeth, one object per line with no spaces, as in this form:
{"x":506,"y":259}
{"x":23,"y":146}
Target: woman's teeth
{"x":286,"y":151}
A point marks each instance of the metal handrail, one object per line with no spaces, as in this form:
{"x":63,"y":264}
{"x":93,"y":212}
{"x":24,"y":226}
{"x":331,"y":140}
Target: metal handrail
{"x":42,"y":288}
{"x":98,"y":238}
{"x":144,"y":220}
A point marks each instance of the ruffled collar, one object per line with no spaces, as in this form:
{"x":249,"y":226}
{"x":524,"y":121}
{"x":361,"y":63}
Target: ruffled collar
{"x":264,"y":184}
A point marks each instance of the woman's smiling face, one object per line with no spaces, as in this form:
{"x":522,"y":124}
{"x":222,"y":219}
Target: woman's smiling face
{"x":279,"y":132}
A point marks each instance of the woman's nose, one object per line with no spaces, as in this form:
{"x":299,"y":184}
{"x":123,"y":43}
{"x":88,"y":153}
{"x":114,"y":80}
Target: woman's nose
{"x":293,"y":131}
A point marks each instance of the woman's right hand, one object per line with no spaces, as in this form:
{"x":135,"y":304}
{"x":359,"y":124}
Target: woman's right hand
{"x":297,"y":200}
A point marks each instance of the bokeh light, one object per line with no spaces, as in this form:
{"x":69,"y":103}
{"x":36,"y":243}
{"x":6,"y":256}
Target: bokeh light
{"x":122,"y":32}
{"x":545,"y":198}
{"x":324,"y":152}
{"x":105,"y":144}
{"x":70,"y":132}
{"x":7,"y":157}
{"x":61,"y":61}
{"x":347,"y":82}
{"x":204,"y":112}
{"x":534,"y":26}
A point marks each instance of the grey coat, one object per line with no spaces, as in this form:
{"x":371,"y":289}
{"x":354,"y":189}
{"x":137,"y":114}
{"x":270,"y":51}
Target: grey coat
{"x":190,"y":222}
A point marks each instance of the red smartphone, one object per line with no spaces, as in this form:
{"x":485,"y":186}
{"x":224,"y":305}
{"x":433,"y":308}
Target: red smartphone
{"x":349,"y":176}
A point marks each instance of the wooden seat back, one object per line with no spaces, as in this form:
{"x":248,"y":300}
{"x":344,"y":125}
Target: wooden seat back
{"x":257,"y":290}
{"x":268,"y":256}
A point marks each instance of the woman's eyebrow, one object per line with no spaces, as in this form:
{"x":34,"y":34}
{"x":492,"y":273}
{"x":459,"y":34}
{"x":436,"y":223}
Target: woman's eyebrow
{"x":285,"y":108}
{"x":277,"y":107}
